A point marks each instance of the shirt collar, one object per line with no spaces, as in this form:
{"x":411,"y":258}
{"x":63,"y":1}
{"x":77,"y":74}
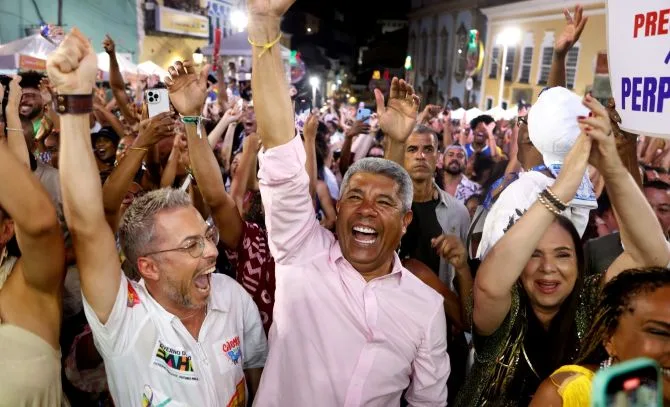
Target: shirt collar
{"x":337,"y":259}
{"x":214,"y":302}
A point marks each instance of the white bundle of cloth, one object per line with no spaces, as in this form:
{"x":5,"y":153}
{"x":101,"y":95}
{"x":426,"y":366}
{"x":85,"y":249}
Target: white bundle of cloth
{"x":553,"y":129}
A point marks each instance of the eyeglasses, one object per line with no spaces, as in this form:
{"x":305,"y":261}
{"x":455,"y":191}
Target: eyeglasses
{"x":194,"y":246}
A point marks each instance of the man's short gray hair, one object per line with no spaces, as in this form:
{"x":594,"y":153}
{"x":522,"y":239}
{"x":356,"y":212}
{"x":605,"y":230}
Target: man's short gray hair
{"x":387,"y":168}
{"x":138,"y":227}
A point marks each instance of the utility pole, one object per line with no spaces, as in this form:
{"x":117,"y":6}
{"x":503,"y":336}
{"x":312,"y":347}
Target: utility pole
{"x":60,"y":13}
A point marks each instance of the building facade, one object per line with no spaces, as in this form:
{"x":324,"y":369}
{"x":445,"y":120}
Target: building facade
{"x":438,"y":36}
{"x":93,"y":18}
{"x":528,"y":63}
{"x":174,"y":29}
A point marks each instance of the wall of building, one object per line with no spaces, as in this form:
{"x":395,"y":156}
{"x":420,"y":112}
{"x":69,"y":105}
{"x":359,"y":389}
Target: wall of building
{"x":164,"y":50}
{"x":593,"y":40}
{"x":426,"y":46}
{"x":94,"y":18}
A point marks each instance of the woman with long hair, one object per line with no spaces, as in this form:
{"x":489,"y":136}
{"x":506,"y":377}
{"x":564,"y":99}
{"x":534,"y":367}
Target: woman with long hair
{"x":632,"y":320}
{"x":531,"y":301}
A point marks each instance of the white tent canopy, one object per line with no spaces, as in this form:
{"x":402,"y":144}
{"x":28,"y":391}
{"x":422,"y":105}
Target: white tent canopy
{"x":457,"y":114}
{"x":472,"y":113}
{"x":497,"y":113}
{"x":35,"y":46}
{"x":151,"y":68}
{"x":125,"y":65}
{"x":25,"y":53}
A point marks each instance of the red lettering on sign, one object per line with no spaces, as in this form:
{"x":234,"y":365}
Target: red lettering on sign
{"x":639,"y":23}
{"x":654,"y":23}
{"x":664,"y":22}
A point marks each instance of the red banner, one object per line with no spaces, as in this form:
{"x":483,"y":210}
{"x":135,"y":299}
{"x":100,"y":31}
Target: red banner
{"x":28,"y":63}
{"x":217,"y":46}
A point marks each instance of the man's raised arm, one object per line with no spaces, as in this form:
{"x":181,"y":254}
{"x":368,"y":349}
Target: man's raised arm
{"x":272,"y":104}
{"x":294,"y":233}
{"x":72,"y":69}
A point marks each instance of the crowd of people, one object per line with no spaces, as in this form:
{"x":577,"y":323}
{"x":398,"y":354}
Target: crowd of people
{"x":239,"y":249}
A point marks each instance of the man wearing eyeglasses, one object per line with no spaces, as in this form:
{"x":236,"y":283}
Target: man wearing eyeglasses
{"x":181,"y":335}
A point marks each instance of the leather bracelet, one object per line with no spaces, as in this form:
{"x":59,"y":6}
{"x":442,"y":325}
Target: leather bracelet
{"x":73,"y":104}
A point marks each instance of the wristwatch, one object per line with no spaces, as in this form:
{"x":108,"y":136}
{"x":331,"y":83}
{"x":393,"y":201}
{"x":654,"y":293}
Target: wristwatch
{"x":73,"y":104}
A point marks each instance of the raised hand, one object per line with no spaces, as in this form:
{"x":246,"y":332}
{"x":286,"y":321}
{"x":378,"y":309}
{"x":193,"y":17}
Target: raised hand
{"x":398,"y":118}
{"x":187,"y":90}
{"x":269,"y":8}
{"x":428,"y":113}
{"x":234,"y":114}
{"x":450,"y":248}
{"x":15,"y":91}
{"x":598,"y":127}
{"x":309,"y":130}
{"x":358,"y":127}
{"x":108,"y":45}
{"x":155,"y":129}
{"x":573,"y":30}
{"x":73,"y":66}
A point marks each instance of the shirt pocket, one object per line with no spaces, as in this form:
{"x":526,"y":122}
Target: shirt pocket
{"x":228,"y":354}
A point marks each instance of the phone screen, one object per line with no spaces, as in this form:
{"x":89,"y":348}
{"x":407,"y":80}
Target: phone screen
{"x":637,"y":388}
{"x":303,"y":105}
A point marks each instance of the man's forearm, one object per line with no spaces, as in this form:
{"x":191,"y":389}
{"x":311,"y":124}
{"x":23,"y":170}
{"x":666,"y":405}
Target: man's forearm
{"x":557,"y":72}
{"x":79,"y":179}
{"x":117,"y":184}
{"x":395,"y":151}
{"x":115,"y":77}
{"x":272,"y":104}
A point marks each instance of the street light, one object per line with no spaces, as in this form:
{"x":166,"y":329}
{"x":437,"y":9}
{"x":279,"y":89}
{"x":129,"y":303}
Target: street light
{"x":239,"y":20}
{"x":198,"y":57}
{"x":314,"y":82}
{"x":508,"y":37}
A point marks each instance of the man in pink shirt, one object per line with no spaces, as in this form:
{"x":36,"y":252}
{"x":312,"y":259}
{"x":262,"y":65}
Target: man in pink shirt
{"x":352,"y":327}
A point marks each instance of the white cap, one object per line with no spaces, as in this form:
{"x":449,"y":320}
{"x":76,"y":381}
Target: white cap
{"x":552,"y":123}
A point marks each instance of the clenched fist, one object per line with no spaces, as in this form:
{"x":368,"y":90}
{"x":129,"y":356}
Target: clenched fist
{"x":73,"y":66}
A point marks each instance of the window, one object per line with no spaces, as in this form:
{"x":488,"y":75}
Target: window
{"x":489,"y":103}
{"x":412,"y":46}
{"x":460,"y":53}
{"x":424,"y":52}
{"x":444,"y":45}
{"x":493,"y":70}
{"x":526,"y":58}
{"x":509,"y":63}
{"x":571,"y":66}
{"x":546,"y":57}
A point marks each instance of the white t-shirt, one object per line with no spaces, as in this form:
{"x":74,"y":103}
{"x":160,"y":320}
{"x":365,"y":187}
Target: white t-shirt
{"x":331,"y":182}
{"x":151,"y":358}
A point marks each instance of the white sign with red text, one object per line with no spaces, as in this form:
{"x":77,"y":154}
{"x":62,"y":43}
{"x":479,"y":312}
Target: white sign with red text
{"x":638,"y":42}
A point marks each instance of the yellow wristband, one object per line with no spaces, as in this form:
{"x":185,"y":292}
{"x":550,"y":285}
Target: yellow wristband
{"x":266,"y":47}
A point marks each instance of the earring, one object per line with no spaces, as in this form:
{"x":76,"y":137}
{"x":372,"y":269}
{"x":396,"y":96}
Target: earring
{"x":606,"y":363}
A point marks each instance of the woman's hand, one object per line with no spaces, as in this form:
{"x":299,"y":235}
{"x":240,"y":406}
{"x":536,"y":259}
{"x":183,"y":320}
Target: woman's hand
{"x":598,"y":127}
{"x":310,"y":129}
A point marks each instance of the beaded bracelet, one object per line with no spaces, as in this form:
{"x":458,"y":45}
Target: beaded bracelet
{"x":551,"y":197}
{"x":548,"y":205}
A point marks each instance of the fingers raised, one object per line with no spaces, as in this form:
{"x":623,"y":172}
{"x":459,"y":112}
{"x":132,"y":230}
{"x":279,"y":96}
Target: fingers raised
{"x":379,"y":98}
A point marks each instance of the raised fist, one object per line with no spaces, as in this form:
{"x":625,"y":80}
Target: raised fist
{"x":73,"y":66}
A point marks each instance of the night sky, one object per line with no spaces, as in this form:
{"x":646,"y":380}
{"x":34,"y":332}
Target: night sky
{"x":360,"y":15}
